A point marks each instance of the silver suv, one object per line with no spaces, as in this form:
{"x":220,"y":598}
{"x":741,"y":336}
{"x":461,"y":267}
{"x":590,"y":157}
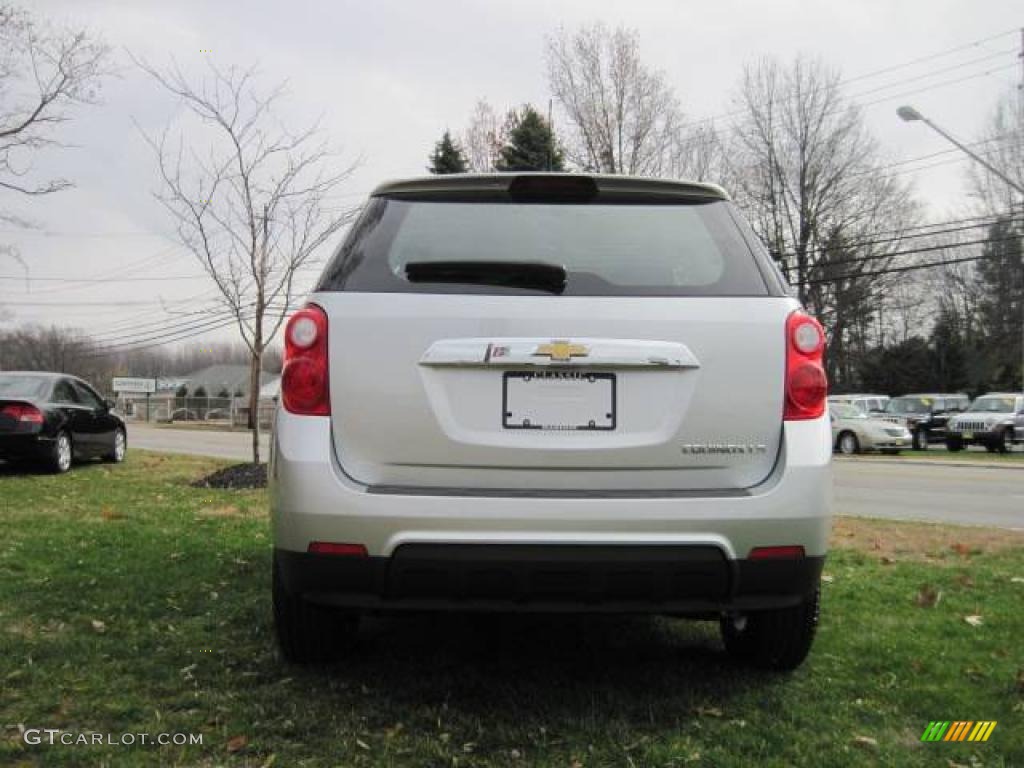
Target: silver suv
{"x":995,"y":420}
{"x":544,"y":392}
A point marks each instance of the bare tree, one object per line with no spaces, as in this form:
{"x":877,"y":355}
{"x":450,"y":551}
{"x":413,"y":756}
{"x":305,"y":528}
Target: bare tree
{"x":695,"y":152}
{"x":809,"y":176}
{"x":484,"y":137}
{"x":252,"y":205}
{"x":1003,"y":146}
{"x":625,"y":116}
{"x":44,"y":73}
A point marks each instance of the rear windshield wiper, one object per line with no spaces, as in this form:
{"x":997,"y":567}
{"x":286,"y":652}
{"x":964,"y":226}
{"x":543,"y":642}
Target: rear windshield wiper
{"x":535,"y":275}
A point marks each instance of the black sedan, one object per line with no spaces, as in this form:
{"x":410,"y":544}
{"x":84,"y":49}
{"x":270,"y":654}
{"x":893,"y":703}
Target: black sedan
{"x":54,"y":418}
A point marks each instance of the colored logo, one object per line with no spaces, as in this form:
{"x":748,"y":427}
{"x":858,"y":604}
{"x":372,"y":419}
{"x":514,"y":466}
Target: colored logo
{"x":561,"y":350}
{"x":959,"y":730}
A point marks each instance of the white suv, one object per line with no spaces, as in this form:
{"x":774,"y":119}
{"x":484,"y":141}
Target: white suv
{"x":543,"y":392}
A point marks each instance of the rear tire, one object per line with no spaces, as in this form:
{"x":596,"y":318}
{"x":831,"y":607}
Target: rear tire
{"x":776,"y":640}
{"x":309,"y":633}
{"x":953,"y":444}
{"x":920,"y":440}
{"x":59,"y":460}
{"x":1005,"y":444}
{"x":848,"y":444}
{"x":119,"y":448}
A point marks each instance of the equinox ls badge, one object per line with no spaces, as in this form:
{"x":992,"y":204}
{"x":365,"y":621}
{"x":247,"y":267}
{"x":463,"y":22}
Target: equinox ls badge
{"x":561,"y":351}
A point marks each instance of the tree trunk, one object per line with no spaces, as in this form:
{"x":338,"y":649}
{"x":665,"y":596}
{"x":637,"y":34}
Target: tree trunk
{"x":255,"y":364}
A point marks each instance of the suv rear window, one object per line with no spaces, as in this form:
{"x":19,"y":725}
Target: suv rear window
{"x":684,"y":249}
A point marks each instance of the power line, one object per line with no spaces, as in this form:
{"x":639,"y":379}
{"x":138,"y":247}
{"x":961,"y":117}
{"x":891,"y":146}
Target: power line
{"x":847,"y":245}
{"x":930,"y":57}
{"x":196,"y":329}
{"x":897,"y":270}
{"x":911,"y":251}
{"x":943,"y":84}
{"x":847,"y":81}
{"x":91,"y":280}
{"x":937,"y":72}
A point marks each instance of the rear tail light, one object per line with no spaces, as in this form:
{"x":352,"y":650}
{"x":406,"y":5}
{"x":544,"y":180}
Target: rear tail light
{"x":22,"y":413}
{"x":304,"y":382}
{"x":338,"y":549}
{"x":776,"y":553}
{"x":806,"y":384}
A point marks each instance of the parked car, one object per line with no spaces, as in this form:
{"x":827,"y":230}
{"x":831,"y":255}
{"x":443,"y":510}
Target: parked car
{"x":867,"y":403}
{"x":854,"y":431}
{"x":528,"y":403}
{"x":925,"y":415}
{"x":995,"y":420}
{"x":53,"y":418}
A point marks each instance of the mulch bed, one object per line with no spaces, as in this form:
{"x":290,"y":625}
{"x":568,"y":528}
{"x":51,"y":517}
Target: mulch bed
{"x":237,"y":476}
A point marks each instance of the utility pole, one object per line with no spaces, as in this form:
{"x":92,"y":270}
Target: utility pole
{"x":1020,"y":224}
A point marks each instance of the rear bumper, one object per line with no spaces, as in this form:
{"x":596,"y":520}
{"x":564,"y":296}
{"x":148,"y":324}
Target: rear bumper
{"x":24,"y":446}
{"x":312,"y":500}
{"x":691,"y":580}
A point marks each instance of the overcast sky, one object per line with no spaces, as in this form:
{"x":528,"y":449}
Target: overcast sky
{"x":390,"y":76}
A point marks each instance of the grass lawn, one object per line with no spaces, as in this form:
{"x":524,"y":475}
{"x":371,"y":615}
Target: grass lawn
{"x":131,"y":602}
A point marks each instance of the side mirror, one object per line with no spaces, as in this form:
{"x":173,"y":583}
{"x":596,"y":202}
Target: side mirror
{"x":110,"y":404}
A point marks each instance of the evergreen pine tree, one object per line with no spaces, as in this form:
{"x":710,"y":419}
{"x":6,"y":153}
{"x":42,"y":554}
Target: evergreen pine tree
{"x":447,"y":157}
{"x":531,"y":145}
{"x":1001,"y":278}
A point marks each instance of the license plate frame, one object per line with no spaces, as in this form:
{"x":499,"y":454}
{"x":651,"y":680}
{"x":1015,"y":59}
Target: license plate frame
{"x":512,"y":416}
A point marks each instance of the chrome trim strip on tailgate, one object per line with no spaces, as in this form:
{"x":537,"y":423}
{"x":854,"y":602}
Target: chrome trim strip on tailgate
{"x":519,"y":352}
{"x":524,"y":493}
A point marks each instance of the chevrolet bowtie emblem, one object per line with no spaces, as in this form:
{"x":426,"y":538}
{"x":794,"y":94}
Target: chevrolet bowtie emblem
{"x":561,"y":351}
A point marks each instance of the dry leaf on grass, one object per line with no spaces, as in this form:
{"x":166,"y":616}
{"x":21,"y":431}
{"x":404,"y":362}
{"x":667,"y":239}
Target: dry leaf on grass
{"x":827,"y":578}
{"x":974,"y":620}
{"x":865,"y":741}
{"x":708,"y":711}
{"x":1017,"y":579}
{"x":237,"y":743}
{"x":98,"y":626}
{"x":928,"y":597}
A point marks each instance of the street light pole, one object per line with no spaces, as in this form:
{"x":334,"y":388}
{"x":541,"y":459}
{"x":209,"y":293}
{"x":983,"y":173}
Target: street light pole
{"x":909,"y":114}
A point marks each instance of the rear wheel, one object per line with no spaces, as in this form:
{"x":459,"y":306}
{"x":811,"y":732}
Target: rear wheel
{"x":118,"y":448}
{"x":778,"y":640}
{"x":848,"y":443}
{"x":1005,"y":443}
{"x":59,"y":460}
{"x":920,"y":440}
{"x":954,"y":444}
{"x":309,"y":633}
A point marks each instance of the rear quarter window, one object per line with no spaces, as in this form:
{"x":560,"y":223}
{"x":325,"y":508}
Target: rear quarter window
{"x":685,"y":249}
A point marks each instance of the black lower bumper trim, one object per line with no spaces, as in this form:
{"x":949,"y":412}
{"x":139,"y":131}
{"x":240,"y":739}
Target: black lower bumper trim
{"x":589,"y":578}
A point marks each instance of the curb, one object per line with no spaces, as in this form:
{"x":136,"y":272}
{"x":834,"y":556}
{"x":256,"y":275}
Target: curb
{"x":936,"y":463}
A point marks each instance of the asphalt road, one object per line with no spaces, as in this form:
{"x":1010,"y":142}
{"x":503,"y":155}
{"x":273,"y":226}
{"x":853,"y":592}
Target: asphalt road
{"x":898,"y":490}
{"x":935,"y":492}
{"x":222,"y":445}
